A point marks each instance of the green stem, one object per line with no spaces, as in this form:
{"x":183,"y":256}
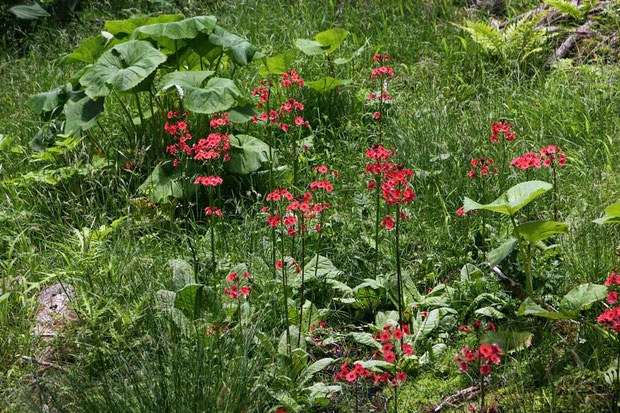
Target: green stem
{"x":213,"y":263}
{"x":301,"y":292}
{"x":139,"y":109}
{"x":528,"y":271}
{"x":555,"y":191}
{"x":398,"y":269}
{"x":377,"y":217}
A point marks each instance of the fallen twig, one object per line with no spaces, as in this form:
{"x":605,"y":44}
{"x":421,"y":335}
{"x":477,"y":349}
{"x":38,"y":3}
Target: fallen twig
{"x":568,"y":44}
{"x":41,"y":362}
{"x":461,"y":394}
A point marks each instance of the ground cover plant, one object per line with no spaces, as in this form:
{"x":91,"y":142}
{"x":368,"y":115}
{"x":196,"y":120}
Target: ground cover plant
{"x":286,"y":206}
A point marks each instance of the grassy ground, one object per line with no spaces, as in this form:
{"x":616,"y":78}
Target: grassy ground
{"x":124,"y":354}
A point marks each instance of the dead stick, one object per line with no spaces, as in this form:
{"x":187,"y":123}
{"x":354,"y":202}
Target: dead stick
{"x":568,"y":44}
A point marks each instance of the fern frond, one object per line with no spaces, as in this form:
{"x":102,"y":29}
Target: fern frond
{"x":486,"y":36}
{"x":566,"y":8}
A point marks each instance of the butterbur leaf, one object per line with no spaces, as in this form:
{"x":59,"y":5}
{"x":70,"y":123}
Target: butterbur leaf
{"x":237,"y":48}
{"x":315,"y":368}
{"x":529,"y":307}
{"x":310,"y":47}
{"x":326,"y":84}
{"x":28,"y":11}
{"x":89,"y":50}
{"x":122,"y":68}
{"x":189,"y":299}
{"x":366,"y":339}
{"x":81,"y":113}
{"x":320,"y":268}
{"x":247,"y":154}
{"x":278,"y":64}
{"x":167,"y":182}
{"x":499,"y":254}
{"x":332,"y":38}
{"x":536,"y":231}
{"x":612,"y":215}
{"x":176,"y":30}
{"x":582,"y":297}
{"x":182,"y":273}
{"x":218,"y":95}
{"x":489,"y":312}
{"x":241,"y":114}
{"x":509,"y":340}
{"x":183,"y":80}
{"x":122,"y":28}
{"x":513,"y":199}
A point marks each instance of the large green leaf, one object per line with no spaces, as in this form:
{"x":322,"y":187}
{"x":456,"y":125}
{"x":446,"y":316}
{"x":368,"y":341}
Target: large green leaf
{"x":310,"y":47}
{"x":536,"y":231}
{"x":122,"y":68}
{"x":513,"y":199}
{"x":508,"y":340}
{"x":529,"y":307}
{"x":247,"y":155}
{"x":242,"y":114}
{"x":219,"y":95}
{"x":331,"y":38}
{"x":278,"y":64}
{"x":582,"y":297}
{"x":48,"y":101}
{"x":326,"y":84}
{"x":28,"y":11}
{"x":190,"y":299}
{"x":122,"y":28}
{"x":499,"y":254}
{"x":166,"y":182}
{"x":81,"y":113}
{"x":183,"y":79}
{"x":237,"y":48}
{"x":314,"y":368}
{"x":320,"y":267}
{"x":612,"y":215}
{"x":182,"y":273}
{"x":90,"y":50}
{"x":176,"y":30}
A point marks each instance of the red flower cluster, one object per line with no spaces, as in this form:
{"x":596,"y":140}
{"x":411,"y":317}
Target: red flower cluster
{"x":548,"y":155}
{"x":486,"y":354}
{"x":262,"y":92}
{"x":381,"y":71}
{"x":611,"y":317}
{"x":216,"y":330}
{"x":291,"y":77}
{"x":208,"y":180}
{"x":379,"y":96}
{"x":525,"y":161}
{"x":461,"y":212}
{"x":396,"y":187}
{"x":301,"y":205}
{"x":380,"y":58}
{"x":502,"y":127}
{"x":349,"y":375}
{"x":236,"y":289}
{"x":483,"y":164}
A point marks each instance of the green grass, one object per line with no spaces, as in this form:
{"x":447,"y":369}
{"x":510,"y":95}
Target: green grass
{"x":126,"y":354}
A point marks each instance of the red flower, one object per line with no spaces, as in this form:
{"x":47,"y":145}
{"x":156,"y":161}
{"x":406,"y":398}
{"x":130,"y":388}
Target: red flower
{"x":208,"y":180}
{"x":232,"y":277}
{"x":501,"y":127}
{"x":376,"y":115}
{"x":387,"y":222}
{"x":245,"y":291}
{"x":385,"y":336}
{"x":401,"y":376}
{"x":279,"y":264}
{"x":485,"y":369}
{"x":407,"y":349}
{"x":389,"y":356}
{"x":398,"y":333}
{"x":351,"y":376}
{"x":612,"y":297}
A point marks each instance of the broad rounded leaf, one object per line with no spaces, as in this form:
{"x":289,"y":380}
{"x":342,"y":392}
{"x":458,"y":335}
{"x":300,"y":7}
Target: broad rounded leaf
{"x":166,"y":182}
{"x":536,"y":231}
{"x":247,"y":155}
{"x":581,"y":297}
{"x":320,"y":267}
{"x":332,"y":38}
{"x":240,"y":50}
{"x":242,"y":114}
{"x":47,"y":101}
{"x":529,"y":307}
{"x":90,"y":50}
{"x":489,"y":312}
{"x":81,"y":113}
{"x":219,"y":94}
{"x":509,"y":340}
{"x":499,"y":254}
{"x":315,"y":368}
{"x":184,"y":79}
{"x":326,"y":84}
{"x":612,"y":215}
{"x":182,"y":273}
{"x":28,"y":11}
{"x":189,"y":299}
{"x":278,"y":64}
{"x":513,"y":199}
{"x":310,"y":47}
{"x":366,"y":339}
{"x":122,"y":68}
{"x":176,"y":30}
{"x":122,"y":28}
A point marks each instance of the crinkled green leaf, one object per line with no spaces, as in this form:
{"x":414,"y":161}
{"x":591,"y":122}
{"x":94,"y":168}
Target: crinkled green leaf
{"x":278,"y":64}
{"x":331,"y":38}
{"x":122,"y":28}
{"x":612,"y":215}
{"x":218,"y":95}
{"x":90,"y":50}
{"x":513,"y":199}
{"x":320,"y":267}
{"x":326,"y":84}
{"x":122,"y":68}
{"x":508,"y":340}
{"x":183,"y":79}
{"x":28,"y":11}
{"x":247,"y":154}
{"x":81,"y":113}
{"x":182,"y":273}
{"x":499,"y":254}
{"x":237,"y":48}
{"x":536,"y":231}
{"x":176,"y":30}
{"x":310,"y":47}
{"x":582,"y":297}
